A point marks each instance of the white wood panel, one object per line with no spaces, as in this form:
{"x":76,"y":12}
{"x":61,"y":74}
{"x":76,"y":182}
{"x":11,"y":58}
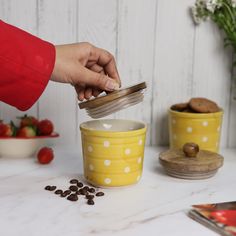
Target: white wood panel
{"x":172,"y":82}
{"x":135,"y":52}
{"x":97,"y":25}
{"x":12,"y":12}
{"x":212,"y":73}
{"x":57,"y":24}
{"x":153,"y":41}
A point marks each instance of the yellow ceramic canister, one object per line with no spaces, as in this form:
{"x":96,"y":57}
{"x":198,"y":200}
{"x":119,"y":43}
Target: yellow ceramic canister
{"x":113,"y":151}
{"x":201,"y":128}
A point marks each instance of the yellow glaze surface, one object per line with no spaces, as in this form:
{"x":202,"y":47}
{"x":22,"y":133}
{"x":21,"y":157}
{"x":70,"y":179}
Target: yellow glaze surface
{"x":201,"y":128}
{"x":113,"y":158}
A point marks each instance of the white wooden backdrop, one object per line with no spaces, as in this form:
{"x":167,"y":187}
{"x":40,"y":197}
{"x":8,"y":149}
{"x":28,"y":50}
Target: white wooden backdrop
{"x":153,"y":41}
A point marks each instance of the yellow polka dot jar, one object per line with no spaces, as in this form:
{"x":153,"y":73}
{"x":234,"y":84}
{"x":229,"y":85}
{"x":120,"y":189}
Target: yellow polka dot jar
{"x":201,"y":128}
{"x":113,"y":151}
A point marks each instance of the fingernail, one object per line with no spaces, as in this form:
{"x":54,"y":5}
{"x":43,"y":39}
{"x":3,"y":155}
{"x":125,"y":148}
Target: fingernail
{"x":112,"y":85}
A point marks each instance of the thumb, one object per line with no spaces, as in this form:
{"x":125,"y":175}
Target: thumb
{"x":99,"y":80}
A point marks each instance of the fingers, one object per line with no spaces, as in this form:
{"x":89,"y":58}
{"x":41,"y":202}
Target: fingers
{"x":80,"y":92}
{"x":86,"y":93}
{"x":96,"y":68}
{"x":106,"y":60}
{"x":98,"y":80}
{"x":96,"y":92}
{"x":96,"y":74}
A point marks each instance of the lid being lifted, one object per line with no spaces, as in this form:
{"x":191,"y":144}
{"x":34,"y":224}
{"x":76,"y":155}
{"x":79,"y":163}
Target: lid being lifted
{"x":190,"y":163}
{"x":114,"y":101}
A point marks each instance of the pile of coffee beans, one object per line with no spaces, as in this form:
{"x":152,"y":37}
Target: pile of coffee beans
{"x":75,"y":190}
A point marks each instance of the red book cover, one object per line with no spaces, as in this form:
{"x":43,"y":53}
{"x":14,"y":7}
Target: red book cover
{"x":221,"y":217}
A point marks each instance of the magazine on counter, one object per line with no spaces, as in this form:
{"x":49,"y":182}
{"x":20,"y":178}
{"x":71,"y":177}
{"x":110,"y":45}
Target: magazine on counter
{"x":220,"y":217}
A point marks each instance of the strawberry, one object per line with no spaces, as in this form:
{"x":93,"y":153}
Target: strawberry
{"x":7,"y":130}
{"x":28,"y":121}
{"x":3,"y":128}
{"x":26,"y":132}
{"x":45,"y":155}
{"x":45,"y":127}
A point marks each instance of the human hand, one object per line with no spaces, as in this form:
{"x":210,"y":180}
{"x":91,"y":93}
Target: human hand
{"x":89,"y":69}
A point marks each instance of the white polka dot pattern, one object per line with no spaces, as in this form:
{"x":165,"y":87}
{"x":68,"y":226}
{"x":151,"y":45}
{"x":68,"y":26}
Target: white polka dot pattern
{"x":127,"y":151}
{"x":113,"y":161}
{"x":107,"y":162}
{"x":90,"y":148}
{"x":189,"y":129}
{"x":204,"y":129}
{"x":204,"y":139}
{"x":107,"y":180}
{"x":139,"y":160}
{"x":106,"y":143}
{"x":91,"y":167}
{"x":127,"y":169}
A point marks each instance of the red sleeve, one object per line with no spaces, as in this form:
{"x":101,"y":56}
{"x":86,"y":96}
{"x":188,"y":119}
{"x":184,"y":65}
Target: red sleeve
{"x":26,"y":64}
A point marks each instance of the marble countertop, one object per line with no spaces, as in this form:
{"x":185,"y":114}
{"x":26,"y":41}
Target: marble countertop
{"x":157,"y":205}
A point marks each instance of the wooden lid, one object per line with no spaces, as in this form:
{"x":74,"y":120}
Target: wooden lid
{"x":177,"y":164}
{"x":96,"y":102}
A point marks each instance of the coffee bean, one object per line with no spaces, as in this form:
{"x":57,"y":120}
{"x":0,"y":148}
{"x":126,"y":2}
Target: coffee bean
{"x":67,"y":192}
{"x":73,"y":181}
{"x":86,"y":188}
{"x":64,"y":194}
{"x":99,"y":194}
{"x":92,"y":190}
{"x":83,"y":191}
{"x":73,"y":188}
{"x":59,"y":191}
{"x":77,"y":188}
{"x":90,"y":202}
{"x":48,"y":187}
{"x":80,"y":185}
{"x":53,"y":188}
{"x":73,"y":197}
{"x":90,"y":196}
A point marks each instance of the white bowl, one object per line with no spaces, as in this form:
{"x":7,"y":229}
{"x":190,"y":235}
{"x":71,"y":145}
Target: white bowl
{"x":18,"y":147}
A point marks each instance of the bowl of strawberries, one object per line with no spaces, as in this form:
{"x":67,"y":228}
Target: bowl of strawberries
{"x":25,"y":139}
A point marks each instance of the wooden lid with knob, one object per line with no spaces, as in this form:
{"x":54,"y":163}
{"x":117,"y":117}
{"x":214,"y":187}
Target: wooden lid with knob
{"x":190,"y":162}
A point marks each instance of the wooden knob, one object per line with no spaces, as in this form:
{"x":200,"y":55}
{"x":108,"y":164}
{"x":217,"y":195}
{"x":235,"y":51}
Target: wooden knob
{"x":190,"y":149}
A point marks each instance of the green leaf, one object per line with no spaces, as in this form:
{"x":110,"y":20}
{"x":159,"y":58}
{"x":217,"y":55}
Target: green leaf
{"x":22,"y":117}
{"x":14,"y":128}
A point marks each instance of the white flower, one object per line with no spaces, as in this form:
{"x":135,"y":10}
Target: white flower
{"x":211,"y":5}
{"x":233,"y":2}
{"x":196,"y":18}
{"x":201,"y":3}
